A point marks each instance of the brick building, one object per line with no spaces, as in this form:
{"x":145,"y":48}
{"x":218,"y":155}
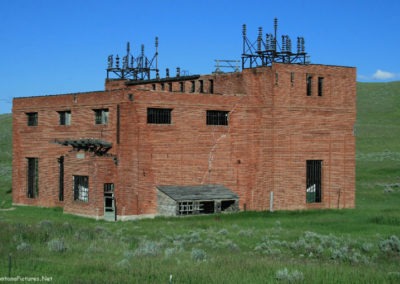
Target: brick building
{"x":276,"y":137}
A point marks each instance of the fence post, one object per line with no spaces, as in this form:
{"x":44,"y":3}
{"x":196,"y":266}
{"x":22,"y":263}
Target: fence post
{"x":9,"y":265}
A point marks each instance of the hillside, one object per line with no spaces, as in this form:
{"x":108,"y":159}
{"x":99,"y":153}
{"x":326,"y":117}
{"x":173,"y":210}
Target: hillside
{"x":5,"y":159}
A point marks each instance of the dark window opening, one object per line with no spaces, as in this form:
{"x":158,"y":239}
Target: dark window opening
{"x":32,"y":118}
{"x":309,"y":85}
{"x":81,"y":188}
{"x":276,"y":78}
{"x":314,"y":181}
{"x":162,"y":86}
{"x":182,"y":87}
{"x":201,"y":86}
{"x":153,"y":86}
{"x":207,"y":207}
{"x":292,"y":77}
{"x":193,"y":88}
{"x":217,"y":117}
{"x":109,"y":197}
{"x":61,"y":178}
{"x":320,"y":86}
{"x":101,"y":116}
{"x":226,"y":204}
{"x":65,"y":117}
{"x":33,"y":177}
{"x":159,"y":115}
{"x":211,"y":86}
{"x":170,"y":87}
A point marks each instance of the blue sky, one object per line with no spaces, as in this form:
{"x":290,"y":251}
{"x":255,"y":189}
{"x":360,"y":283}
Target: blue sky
{"x":61,"y":46}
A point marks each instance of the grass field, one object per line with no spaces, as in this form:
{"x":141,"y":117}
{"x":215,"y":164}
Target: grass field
{"x":317,"y":246}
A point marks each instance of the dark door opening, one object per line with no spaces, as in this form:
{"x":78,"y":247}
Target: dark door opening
{"x":109,"y":202}
{"x":314,"y":181}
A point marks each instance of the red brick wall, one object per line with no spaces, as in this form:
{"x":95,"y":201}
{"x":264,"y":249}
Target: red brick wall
{"x":274,"y":128}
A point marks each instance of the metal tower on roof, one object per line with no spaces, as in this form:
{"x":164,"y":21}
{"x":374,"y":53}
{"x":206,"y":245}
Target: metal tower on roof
{"x":265,"y":51}
{"x":134,"y":68}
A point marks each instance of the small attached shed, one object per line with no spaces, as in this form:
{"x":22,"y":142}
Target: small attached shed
{"x":196,"y":199}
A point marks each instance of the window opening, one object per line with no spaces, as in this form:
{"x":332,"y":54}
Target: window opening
{"x":81,"y":188}
{"x":217,"y":117}
{"x":153,"y":87}
{"x":226,"y":204}
{"x":182,"y":87}
{"x":65,"y":117}
{"x":309,"y":85}
{"x":32,"y":118}
{"x":61,"y":178}
{"x":170,"y":87}
{"x":314,"y":181}
{"x":193,"y":88}
{"x":292,"y":77}
{"x":162,"y":86}
{"x":159,"y":115}
{"x":201,"y":86}
{"x":320,"y":86}
{"x":211,"y":86}
{"x":101,"y":116}
{"x":33,"y":177}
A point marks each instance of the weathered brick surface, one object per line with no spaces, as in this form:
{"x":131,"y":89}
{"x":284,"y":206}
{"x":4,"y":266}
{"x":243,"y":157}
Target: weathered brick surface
{"x":274,"y":128}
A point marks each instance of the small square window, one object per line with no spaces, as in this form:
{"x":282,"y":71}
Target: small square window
{"x":101,"y":116}
{"x":217,"y":117}
{"x":65,"y":117}
{"x":159,"y":115}
{"x":32,"y":118}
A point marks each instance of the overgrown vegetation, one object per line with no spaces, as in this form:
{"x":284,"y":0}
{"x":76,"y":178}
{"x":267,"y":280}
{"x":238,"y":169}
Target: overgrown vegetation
{"x":316,"y":246}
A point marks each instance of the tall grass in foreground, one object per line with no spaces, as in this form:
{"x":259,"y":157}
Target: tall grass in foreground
{"x":240,"y":248}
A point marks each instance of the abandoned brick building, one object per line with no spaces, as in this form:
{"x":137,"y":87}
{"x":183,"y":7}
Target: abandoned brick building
{"x":275,"y":135}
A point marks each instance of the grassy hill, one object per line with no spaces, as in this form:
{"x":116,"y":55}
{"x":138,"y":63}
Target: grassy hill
{"x":5,"y":159}
{"x":316,"y":246}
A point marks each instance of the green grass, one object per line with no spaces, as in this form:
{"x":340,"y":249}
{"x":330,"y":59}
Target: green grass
{"x":5,"y":159}
{"x":316,"y":246}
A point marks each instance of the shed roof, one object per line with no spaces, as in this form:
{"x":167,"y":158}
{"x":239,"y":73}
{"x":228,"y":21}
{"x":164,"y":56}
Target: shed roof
{"x":197,"y":192}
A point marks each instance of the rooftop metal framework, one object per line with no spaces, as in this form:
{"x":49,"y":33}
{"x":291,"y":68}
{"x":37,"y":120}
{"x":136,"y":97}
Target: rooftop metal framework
{"x":265,"y":51}
{"x":134,"y":68}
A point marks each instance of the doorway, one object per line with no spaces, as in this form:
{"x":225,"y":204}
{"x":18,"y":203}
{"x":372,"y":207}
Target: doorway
{"x":109,"y":203}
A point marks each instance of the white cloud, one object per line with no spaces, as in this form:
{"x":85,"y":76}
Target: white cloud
{"x":383,"y":75}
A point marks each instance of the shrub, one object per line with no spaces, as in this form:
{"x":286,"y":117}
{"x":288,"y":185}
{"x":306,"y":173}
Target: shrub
{"x":56,"y":245}
{"x":291,"y":277}
{"x":24,"y":247}
{"x":390,"y":245}
{"x":198,"y":255}
{"x":148,"y":248}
